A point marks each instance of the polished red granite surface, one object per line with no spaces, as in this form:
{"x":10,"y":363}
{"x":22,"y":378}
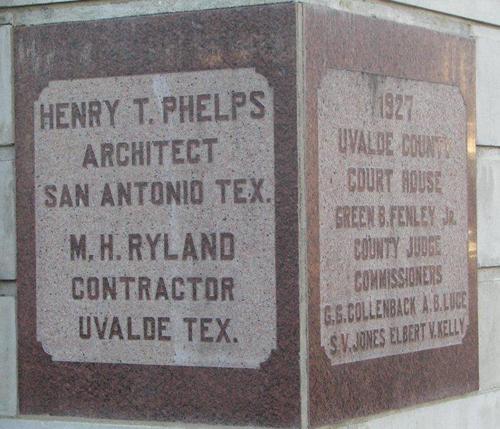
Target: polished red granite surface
{"x":262,"y":38}
{"x":340,"y":41}
{"x":336,"y":46}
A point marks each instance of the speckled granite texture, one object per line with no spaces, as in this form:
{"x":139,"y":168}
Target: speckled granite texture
{"x":259,"y":37}
{"x":264,"y":39}
{"x":346,"y":42}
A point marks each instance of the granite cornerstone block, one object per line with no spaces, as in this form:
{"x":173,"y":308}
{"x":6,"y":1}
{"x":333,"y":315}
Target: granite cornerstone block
{"x":155,"y":157}
{"x":161,"y":214}
{"x":390,"y":178}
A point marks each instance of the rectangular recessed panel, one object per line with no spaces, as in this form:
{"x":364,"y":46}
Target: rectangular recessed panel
{"x":392,"y":175}
{"x":159,"y":205}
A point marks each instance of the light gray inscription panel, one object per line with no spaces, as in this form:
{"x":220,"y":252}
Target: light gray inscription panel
{"x":155,"y":219}
{"x":393,"y":223}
